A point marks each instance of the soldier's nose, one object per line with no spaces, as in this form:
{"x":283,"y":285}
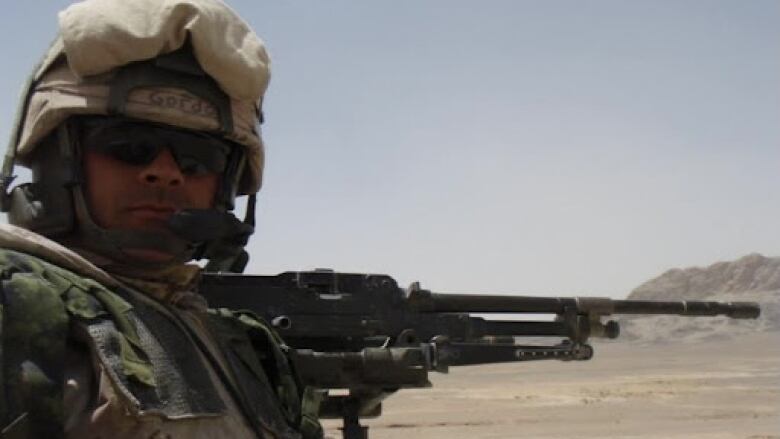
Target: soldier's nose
{"x":162,"y":171}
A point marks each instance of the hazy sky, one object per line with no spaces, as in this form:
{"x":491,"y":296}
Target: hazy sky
{"x":558,"y":147}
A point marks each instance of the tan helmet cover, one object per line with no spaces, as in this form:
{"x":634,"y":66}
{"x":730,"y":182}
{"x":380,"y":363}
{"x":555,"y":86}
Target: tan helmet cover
{"x":98,"y":36}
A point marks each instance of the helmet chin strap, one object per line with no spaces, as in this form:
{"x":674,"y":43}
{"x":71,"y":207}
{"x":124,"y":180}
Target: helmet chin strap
{"x":115,"y":244}
{"x":192,"y":234}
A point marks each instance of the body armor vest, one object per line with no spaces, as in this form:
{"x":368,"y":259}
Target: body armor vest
{"x":152,"y":358}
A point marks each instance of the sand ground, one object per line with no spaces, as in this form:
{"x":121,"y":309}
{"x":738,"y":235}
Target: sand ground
{"x":705,"y":390}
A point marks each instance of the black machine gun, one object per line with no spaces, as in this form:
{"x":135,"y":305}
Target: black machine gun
{"x":360,"y":338}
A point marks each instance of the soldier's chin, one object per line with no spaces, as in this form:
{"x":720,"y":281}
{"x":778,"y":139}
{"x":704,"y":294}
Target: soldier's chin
{"x":149,"y":255}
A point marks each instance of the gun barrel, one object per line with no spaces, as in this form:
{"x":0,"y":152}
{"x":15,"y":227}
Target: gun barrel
{"x":736,"y":310}
{"x":425,"y":301}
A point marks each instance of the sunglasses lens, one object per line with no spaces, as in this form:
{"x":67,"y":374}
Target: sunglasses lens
{"x":139,"y":144}
{"x":200,"y":154}
{"x":131,"y":151}
{"x":193,"y":164}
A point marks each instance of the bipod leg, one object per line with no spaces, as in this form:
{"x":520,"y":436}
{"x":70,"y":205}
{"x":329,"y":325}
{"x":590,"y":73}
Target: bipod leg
{"x":352,"y":428}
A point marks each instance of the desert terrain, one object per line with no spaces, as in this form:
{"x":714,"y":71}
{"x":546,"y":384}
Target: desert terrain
{"x":665,"y":377}
{"x":713,"y":390}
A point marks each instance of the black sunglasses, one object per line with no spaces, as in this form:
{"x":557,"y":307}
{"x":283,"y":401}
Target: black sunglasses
{"x":138,"y":143}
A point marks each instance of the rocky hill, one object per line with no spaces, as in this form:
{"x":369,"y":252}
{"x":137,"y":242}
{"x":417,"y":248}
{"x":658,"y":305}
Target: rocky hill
{"x":751,"y":278}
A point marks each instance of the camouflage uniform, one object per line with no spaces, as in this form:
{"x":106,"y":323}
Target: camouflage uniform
{"x":93,"y":345}
{"x":136,"y":365}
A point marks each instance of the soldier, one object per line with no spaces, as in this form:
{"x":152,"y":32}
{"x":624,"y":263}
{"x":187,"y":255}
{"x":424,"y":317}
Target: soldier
{"x":141,"y":127}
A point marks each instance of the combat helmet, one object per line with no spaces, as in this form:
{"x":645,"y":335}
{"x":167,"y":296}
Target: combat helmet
{"x":188,"y":64}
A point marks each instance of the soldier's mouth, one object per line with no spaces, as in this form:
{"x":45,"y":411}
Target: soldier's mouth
{"x":152,"y":212}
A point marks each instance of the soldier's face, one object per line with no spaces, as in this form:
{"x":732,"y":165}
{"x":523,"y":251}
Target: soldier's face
{"x":121,"y":195}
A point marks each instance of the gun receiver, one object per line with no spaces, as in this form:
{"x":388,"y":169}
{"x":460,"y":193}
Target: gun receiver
{"x":364,"y":334}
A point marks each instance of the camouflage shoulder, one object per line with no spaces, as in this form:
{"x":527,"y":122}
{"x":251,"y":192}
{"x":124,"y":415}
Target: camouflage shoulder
{"x":34,"y":334}
{"x":38,"y":302}
{"x":34,"y":245}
